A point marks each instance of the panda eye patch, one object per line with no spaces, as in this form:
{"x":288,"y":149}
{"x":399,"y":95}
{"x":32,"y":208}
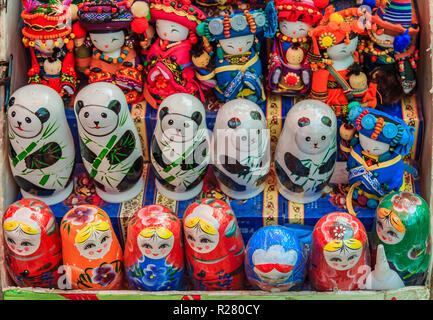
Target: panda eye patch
{"x":104,"y":115}
{"x":28,"y":120}
{"x":170,"y":122}
{"x":323,"y":137}
{"x":86,"y":114}
{"x":186,"y":125}
{"x":13,"y":114}
{"x":308,"y":138}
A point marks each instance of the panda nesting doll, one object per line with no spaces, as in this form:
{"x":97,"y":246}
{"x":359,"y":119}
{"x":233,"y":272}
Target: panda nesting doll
{"x":41,"y":148}
{"x":241,"y":149}
{"x":306,"y":151}
{"x":180,"y":147}
{"x":109,"y":142}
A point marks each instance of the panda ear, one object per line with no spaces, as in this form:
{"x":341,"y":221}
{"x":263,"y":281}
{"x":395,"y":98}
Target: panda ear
{"x":114,"y":106}
{"x":78,"y":106}
{"x":43,"y":114}
{"x":326,"y":121}
{"x":11,"y":102}
{"x":163,"y":112}
{"x":197,"y":117}
{"x":256,"y":115}
{"x":303,"y":122}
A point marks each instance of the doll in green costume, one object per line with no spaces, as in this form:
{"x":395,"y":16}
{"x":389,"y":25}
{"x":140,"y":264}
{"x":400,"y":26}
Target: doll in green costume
{"x":403,"y":228}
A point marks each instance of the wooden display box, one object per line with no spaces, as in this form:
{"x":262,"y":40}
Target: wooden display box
{"x":9,"y":38}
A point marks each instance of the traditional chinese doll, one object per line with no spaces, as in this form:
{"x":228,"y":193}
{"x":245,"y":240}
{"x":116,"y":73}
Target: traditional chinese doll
{"x":335,"y":43}
{"x":403,"y":228}
{"x":33,"y":251}
{"x":390,"y":52}
{"x":339,"y":252}
{"x":168,"y":66}
{"x":91,"y":252}
{"x":274,"y":260}
{"x":47,"y":33}
{"x":375,"y":161}
{"x":214,"y":246}
{"x":238,"y":69}
{"x":114,"y":58}
{"x":289,"y":69}
{"x":154,"y":256}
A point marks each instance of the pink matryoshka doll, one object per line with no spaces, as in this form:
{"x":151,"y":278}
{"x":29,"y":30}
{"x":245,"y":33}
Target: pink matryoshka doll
{"x":214,"y":246}
{"x":91,"y":252}
{"x":154,"y":259}
{"x":33,"y":250}
{"x":338,"y":253}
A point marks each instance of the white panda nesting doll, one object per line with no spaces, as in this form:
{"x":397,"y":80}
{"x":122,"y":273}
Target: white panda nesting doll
{"x":306,"y":151}
{"x":41,"y":148}
{"x":180,"y":147}
{"x":241,"y":149}
{"x":109,"y":142}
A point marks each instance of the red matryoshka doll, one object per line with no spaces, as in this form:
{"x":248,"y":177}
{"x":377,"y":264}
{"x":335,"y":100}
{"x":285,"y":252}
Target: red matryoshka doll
{"x":214,"y":246}
{"x":33,"y":250}
{"x":91,"y":252}
{"x":154,"y":259}
{"x":338,"y":253}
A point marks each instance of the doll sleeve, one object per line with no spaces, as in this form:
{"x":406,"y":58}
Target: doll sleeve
{"x":275,"y":66}
{"x":319,"y":86}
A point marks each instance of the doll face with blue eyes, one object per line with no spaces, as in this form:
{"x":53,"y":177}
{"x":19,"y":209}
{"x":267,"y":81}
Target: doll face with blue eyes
{"x":386,"y":232}
{"x":343,"y":259}
{"x":21,"y":243}
{"x":237,"y":45}
{"x":108,"y":42}
{"x":96,"y":246}
{"x":155,"y":247}
{"x":373,"y":147}
{"x":171,"y":31}
{"x":297,"y":29}
{"x":342,"y":50}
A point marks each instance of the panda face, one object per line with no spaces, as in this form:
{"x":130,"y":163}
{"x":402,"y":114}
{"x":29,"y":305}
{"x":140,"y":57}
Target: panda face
{"x":178,"y":128}
{"x":297,"y":29}
{"x":314,"y":138}
{"x":237,"y":45}
{"x":98,"y":121}
{"x":25,"y":123}
{"x":248,"y":134}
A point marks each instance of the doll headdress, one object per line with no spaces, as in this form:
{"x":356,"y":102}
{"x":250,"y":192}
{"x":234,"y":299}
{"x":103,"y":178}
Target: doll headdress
{"x":380,"y":126}
{"x":308,"y":11}
{"x":46,"y":21}
{"x":179,"y":11}
{"x":241,"y":24}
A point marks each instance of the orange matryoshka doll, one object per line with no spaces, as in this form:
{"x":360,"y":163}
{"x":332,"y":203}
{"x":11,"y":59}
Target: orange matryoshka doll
{"x":214,"y":247}
{"x":33,"y":250}
{"x":91,"y":251}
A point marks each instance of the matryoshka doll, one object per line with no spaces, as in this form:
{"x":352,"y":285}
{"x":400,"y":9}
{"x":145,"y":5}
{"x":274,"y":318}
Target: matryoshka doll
{"x":41,"y":148}
{"x":238,"y":68}
{"x":375,"y":161}
{"x":241,"y":149}
{"x":214,"y":246}
{"x":275,"y":260}
{"x":48,"y":34}
{"x":180,"y":148}
{"x":33,"y":251}
{"x":289,"y":69}
{"x":154,"y":256}
{"x":92,"y":255}
{"x":114,"y":58}
{"x":339,"y":252}
{"x":168,"y":66}
{"x":306,"y":151}
{"x":109,"y":142}
{"x":403,"y":228}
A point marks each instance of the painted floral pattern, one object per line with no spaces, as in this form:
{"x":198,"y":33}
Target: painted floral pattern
{"x":104,"y":275}
{"x":81,"y":215}
{"x":405,"y":202}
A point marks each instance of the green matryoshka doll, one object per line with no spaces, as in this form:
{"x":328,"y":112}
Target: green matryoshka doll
{"x":403,"y":228}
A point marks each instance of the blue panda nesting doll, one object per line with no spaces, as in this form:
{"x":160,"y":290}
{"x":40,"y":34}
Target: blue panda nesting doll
{"x":306,"y":151}
{"x":275,"y":260}
{"x":180,"y":148}
{"x":41,"y":148}
{"x":109,"y":142}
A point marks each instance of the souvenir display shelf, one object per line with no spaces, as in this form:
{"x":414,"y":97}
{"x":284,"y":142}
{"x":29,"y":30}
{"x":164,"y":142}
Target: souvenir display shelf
{"x":9,"y":38}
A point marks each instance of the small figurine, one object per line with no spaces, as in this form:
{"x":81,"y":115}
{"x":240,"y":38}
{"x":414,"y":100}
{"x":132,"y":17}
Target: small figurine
{"x":33,"y":251}
{"x":347,"y":132}
{"x":48,"y":34}
{"x":339,"y":250}
{"x":154,"y":256}
{"x":109,"y":142}
{"x":403,"y":228}
{"x":241,"y":149}
{"x":289,"y":69}
{"x":214,"y":246}
{"x":91,"y":252}
{"x":114,"y":58}
{"x":306,"y":151}
{"x":274,"y":260}
{"x":41,"y":148}
{"x":168,"y":65}
{"x":238,"y":69}
{"x":375,"y":162}
{"x":334,"y":53}
{"x":390,"y":52}
{"x":180,"y":148}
